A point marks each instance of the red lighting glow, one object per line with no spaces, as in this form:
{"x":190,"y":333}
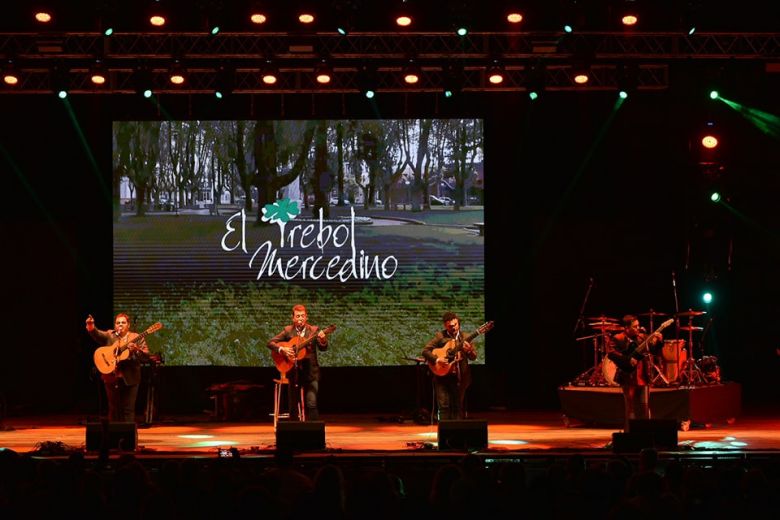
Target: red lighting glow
{"x":404,"y":21}
{"x":157,"y":20}
{"x":306,"y":18}
{"x":258,"y":18}
{"x":581,"y":78}
{"x":514,"y":17}
{"x":10,"y":79}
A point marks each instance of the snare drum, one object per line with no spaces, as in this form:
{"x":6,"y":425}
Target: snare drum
{"x":673,"y":356}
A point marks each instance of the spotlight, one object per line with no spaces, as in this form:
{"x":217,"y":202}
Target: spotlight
{"x":513,"y":15}
{"x":177,"y":74}
{"x":306,"y":14}
{"x":568,"y":28}
{"x":142,"y":81}
{"x":323,"y":72}
{"x":627,"y":79}
{"x":714,"y":94}
{"x":97,"y":74}
{"x":580,"y":74}
{"x":533,"y":95}
{"x":258,"y":15}
{"x":59,"y":81}
{"x":43,"y":15}
{"x":495,"y":73}
{"x":623,"y":94}
{"x":715,"y":196}
{"x":367,"y":81}
{"x":10,"y":75}
{"x":156,"y":14}
{"x":403,"y":15}
{"x":706,"y":297}
{"x":709,"y":141}
{"x":226,"y":79}
{"x":269,"y":74}
{"x":461,"y":30}
{"x":412,"y":73}
{"x":629,"y":20}
{"x":453,"y":80}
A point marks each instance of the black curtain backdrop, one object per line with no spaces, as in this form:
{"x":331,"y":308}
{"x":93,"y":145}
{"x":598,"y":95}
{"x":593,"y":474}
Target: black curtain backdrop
{"x":574,"y":191}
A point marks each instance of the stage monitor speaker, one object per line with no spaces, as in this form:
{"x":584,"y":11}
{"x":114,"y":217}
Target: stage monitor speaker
{"x":116,"y":435}
{"x":300,"y":436}
{"x":646,"y":433}
{"x":463,"y":434}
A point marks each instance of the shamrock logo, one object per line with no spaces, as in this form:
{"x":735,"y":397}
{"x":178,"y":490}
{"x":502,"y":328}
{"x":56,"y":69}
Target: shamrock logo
{"x":280,"y":212}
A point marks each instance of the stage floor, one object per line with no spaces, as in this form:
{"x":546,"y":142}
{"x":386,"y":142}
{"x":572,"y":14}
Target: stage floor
{"x":522,"y":432}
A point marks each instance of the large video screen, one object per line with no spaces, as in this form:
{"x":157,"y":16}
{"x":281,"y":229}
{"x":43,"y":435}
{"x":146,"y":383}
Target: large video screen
{"x":376,"y":226}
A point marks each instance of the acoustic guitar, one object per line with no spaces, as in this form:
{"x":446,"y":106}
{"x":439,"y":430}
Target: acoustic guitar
{"x":106,"y":358}
{"x":451,"y":351}
{"x":634,"y":351}
{"x":285,"y":363}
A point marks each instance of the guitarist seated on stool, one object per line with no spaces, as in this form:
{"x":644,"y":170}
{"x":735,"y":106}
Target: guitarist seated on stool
{"x":121,"y":384}
{"x":451,"y":388}
{"x":306,"y":373}
{"x":633,"y":369}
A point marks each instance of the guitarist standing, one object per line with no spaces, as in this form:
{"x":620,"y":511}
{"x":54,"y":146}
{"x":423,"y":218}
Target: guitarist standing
{"x":451,"y":388}
{"x":121,"y":384}
{"x":633,"y":374}
{"x":306,"y":373}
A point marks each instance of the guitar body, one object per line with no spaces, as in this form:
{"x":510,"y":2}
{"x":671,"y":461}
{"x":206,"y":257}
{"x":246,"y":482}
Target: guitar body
{"x":286,"y":363}
{"x":106,"y":358}
{"x":450,"y":352}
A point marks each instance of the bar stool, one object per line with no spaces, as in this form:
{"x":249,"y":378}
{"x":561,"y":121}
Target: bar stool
{"x":278,"y":386}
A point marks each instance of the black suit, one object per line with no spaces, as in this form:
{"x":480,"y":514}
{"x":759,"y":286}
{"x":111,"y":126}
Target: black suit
{"x":122,"y":384}
{"x":451,"y":388}
{"x":306,"y":375}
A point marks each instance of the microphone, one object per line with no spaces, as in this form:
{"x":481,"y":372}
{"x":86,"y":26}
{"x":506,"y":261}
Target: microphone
{"x":674,"y":282}
{"x":642,"y":330}
{"x":116,"y":333}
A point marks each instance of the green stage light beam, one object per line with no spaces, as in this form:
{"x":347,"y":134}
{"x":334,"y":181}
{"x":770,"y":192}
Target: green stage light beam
{"x":766,"y":122}
{"x":92,"y":161}
{"x":578,"y":174}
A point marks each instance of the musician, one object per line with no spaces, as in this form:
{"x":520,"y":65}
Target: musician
{"x":635,"y":382}
{"x":306,"y":373}
{"x":451,"y":388}
{"x":121,"y":384}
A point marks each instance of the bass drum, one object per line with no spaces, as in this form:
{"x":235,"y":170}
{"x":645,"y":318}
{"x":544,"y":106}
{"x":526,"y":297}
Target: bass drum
{"x":673,"y":356}
{"x":609,"y":370}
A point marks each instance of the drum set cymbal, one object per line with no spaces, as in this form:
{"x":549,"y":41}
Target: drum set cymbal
{"x":603,"y":318}
{"x":690,"y":313}
{"x":605,"y":326}
{"x":690,"y":328}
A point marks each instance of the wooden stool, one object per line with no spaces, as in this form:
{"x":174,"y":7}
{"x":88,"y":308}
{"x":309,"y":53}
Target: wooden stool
{"x":278,"y":386}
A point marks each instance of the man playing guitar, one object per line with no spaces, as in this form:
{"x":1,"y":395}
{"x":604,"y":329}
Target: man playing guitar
{"x":451,"y":387}
{"x":305,"y":371}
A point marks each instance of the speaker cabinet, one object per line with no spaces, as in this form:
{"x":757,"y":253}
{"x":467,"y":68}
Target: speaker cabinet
{"x":116,"y":436}
{"x":462,"y":434}
{"x":300,"y":436}
{"x":646,"y":433}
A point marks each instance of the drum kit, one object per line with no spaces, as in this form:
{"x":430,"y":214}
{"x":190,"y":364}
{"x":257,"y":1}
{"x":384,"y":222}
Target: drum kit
{"x":675,"y":364}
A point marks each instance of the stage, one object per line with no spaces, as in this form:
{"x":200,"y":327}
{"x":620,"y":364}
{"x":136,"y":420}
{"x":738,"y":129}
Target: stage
{"x":704,"y":404}
{"x":510,"y":434}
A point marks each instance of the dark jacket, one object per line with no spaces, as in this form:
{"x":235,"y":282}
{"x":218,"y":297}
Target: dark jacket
{"x":640,"y":375}
{"x":309,"y":366}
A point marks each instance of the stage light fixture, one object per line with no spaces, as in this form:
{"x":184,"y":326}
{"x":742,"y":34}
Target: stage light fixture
{"x":306,"y":13}
{"x":10,"y":74}
{"x":715,"y":196}
{"x":714,"y":94}
{"x":533,"y":95}
{"x":226,"y":80}
{"x":323,"y":72}
{"x":44,"y":15}
{"x":627,"y":79}
{"x":412,"y":73}
{"x":535,"y":79}
{"x":452,"y":75}
{"x":177,"y":74}
{"x":157,"y":14}
{"x":142,"y":81}
{"x":97,"y":73}
{"x":269,"y":73}
{"x":59,"y":81}
{"x":513,"y":14}
{"x":403,"y":15}
{"x":580,"y":73}
{"x":258,"y":12}
{"x":709,"y":142}
{"x":706,"y":297}
{"x":495,"y":73}
{"x":367,"y":81}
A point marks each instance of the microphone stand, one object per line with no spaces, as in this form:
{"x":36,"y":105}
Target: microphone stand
{"x":580,"y":321}
{"x":676,"y":309}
